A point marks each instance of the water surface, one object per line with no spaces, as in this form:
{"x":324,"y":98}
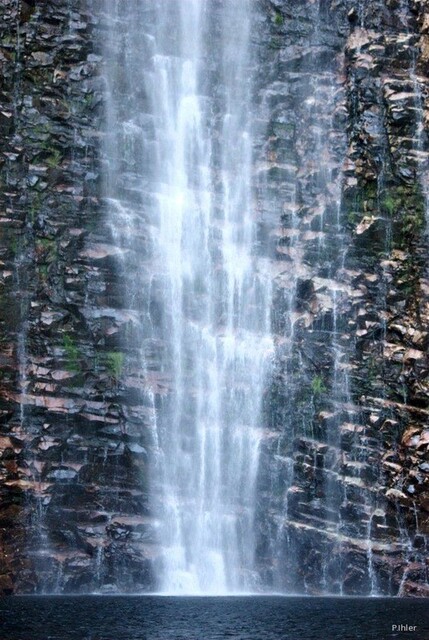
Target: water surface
{"x":243,"y":618}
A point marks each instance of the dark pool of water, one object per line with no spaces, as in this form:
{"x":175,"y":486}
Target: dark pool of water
{"x":243,"y":618}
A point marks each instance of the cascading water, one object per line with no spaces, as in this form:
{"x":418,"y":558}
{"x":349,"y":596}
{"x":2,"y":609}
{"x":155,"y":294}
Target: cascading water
{"x":179,"y":146}
{"x":142,"y":448}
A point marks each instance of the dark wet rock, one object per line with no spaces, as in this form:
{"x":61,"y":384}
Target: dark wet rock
{"x":76,"y":442}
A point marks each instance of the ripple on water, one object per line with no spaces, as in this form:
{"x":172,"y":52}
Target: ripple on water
{"x":241,"y":618}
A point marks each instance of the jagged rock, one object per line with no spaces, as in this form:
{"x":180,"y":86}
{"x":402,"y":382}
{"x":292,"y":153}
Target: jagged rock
{"x":350,"y":281}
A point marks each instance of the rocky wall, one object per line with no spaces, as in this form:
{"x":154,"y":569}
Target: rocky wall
{"x":73,"y":512}
{"x":348,"y":410}
{"x":342,"y":157}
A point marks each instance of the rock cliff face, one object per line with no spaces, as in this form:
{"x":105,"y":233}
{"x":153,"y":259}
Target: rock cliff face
{"x":73,"y":494}
{"x":344,"y":491}
{"x":348,"y":121}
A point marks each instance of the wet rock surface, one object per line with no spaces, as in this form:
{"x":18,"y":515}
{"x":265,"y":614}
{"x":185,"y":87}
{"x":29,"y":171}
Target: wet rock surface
{"x":73,"y":463}
{"x":342,"y":153}
{"x":346,"y":494}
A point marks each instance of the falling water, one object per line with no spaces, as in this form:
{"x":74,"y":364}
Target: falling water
{"x":179,"y":146}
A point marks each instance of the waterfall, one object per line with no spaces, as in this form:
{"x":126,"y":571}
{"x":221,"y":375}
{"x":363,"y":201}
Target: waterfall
{"x":179,"y":148}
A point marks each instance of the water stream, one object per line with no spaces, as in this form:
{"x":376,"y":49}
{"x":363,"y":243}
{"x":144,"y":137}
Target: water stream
{"x":181,"y":143}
